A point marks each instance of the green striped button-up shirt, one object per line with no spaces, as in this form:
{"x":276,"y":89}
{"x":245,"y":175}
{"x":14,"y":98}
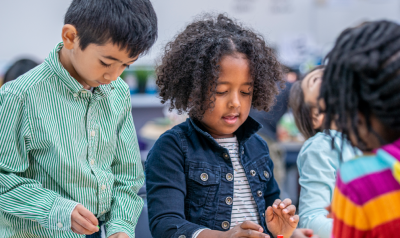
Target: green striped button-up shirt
{"x":62,"y":145}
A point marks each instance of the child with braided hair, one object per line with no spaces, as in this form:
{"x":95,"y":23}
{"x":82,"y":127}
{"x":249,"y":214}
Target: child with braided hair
{"x":360,"y":88}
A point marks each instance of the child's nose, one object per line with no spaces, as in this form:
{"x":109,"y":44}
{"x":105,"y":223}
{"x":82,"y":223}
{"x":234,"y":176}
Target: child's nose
{"x":235,"y":101}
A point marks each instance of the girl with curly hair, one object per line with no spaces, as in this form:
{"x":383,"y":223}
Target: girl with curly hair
{"x":212,"y":176}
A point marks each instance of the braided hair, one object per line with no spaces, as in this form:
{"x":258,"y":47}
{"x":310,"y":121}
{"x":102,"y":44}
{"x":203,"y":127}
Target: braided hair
{"x":363,"y":75}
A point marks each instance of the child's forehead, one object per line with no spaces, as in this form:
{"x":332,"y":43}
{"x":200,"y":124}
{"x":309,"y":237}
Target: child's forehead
{"x":111,"y":51}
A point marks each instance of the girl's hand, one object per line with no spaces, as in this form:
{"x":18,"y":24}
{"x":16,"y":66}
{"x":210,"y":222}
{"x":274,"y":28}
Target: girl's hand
{"x":246,"y":229}
{"x":281,"y":218}
{"x":303,"y":233}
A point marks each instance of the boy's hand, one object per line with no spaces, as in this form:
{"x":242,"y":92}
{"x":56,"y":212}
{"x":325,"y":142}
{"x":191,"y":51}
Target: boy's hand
{"x":281,"y":218}
{"x":329,"y":209}
{"x":303,"y":233}
{"x":246,"y":229}
{"x":119,"y":235}
{"x":83,"y":222}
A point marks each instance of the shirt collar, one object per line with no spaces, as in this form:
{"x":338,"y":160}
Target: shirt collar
{"x":243,"y":133}
{"x":53,"y":61}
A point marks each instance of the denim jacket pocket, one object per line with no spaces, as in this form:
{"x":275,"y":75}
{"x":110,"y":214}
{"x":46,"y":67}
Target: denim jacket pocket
{"x":203,"y":180}
{"x":264,"y":172}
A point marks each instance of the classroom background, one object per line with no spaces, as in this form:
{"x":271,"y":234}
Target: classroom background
{"x":300,"y":31}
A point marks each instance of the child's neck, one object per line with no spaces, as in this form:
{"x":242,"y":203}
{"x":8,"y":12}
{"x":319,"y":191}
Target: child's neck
{"x":65,"y":60}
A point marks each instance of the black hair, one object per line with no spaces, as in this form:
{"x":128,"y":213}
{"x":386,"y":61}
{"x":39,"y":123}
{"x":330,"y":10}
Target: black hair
{"x":363,"y":75}
{"x":19,"y":68}
{"x":130,"y":24}
{"x":302,"y":110}
{"x":188,"y":74}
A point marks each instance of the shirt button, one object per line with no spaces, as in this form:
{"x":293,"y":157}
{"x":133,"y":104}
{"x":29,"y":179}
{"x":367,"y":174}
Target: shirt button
{"x":252,"y":173}
{"x":75,"y":95}
{"x":225,"y":155}
{"x":92,"y":133}
{"x":204,"y":176}
{"x":225,"y":225}
{"x":92,"y":162}
{"x":229,"y":177}
{"x":228,"y":201}
{"x":266,"y":174}
{"x":103,"y":187}
{"x":259,"y":193}
{"x":182,"y":236}
{"x":103,"y":212}
{"x":60,"y":225}
{"x":84,"y":91}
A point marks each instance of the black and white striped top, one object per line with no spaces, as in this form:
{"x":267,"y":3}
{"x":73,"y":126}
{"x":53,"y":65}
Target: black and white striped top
{"x":244,"y":207}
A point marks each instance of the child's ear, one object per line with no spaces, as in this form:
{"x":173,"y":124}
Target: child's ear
{"x":317,"y":118}
{"x":69,"y":36}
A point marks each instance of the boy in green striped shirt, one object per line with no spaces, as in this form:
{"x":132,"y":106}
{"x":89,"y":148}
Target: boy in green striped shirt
{"x":69,"y":155}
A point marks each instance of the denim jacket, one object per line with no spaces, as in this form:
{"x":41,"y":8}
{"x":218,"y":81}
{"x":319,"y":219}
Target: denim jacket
{"x":189,"y":178}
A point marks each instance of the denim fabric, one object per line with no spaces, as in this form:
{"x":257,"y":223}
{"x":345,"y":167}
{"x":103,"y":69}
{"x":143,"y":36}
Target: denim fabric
{"x":97,"y":234}
{"x":187,"y":179}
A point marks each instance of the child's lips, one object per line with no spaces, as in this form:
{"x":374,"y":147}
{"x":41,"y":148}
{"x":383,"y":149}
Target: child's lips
{"x":230,"y":119}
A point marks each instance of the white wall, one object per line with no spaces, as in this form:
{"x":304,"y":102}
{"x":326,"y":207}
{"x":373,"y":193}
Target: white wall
{"x":32,"y":28}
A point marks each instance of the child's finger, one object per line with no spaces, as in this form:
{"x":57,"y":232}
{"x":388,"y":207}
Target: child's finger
{"x":87,"y":225}
{"x":294,"y":219}
{"x":269,"y":214}
{"x":290,"y":210}
{"x":251,"y":225}
{"x":276,"y":203}
{"x":252,"y":234}
{"x":80,"y":229}
{"x":307,"y":232}
{"x":285,"y":203}
{"x":89,"y":216}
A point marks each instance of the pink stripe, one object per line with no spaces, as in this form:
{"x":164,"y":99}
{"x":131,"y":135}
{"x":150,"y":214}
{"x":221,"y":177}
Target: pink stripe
{"x":363,"y":189}
{"x":393,"y":149}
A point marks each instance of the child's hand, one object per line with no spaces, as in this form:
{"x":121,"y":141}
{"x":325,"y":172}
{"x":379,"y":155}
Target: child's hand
{"x":119,"y":235}
{"x":281,"y":218}
{"x":246,"y":229}
{"x":329,"y":209}
{"x":303,"y":233}
{"x":83,"y":222}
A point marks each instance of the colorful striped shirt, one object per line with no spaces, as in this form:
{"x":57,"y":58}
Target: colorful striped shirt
{"x":62,"y":145}
{"x":366,"y":200}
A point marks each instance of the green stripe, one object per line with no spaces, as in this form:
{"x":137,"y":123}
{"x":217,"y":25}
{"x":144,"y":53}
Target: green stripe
{"x":47,"y":148}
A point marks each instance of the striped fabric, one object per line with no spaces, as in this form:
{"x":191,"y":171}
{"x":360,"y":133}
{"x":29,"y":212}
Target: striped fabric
{"x":244,"y":207}
{"x":61,"y":145}
{"x":366,"y":201}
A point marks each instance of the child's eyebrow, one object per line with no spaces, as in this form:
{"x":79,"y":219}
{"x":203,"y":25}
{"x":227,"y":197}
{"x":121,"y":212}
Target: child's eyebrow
{"x":224,"y":82}
{"x":115,"y":59}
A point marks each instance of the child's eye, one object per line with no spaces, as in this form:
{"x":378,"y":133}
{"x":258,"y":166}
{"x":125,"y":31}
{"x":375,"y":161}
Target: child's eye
{"x":104,"y":64}
{"x":246,"y":93}
{"x":220,"y":93}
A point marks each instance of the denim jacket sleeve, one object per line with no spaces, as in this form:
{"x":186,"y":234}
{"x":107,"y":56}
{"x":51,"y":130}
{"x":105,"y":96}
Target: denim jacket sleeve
{"x":166,"y":188}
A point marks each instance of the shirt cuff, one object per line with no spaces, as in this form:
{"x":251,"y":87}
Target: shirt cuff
{"x":118,"y":225}
{"x":60,"y":214}
{"x":198,"y":232}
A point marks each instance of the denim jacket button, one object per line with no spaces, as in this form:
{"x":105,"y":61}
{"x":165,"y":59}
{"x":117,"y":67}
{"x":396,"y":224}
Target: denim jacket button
{"x":229,"y":177}
{"x":266,"y":174}
{"x":253,"y":173}
{"x":225,"y":225}
{"x":226,"y":156}
{"x":263,"y":214}
{"x":229,"y":200}
{"x":204,"y":176}
{"x":259,"y":193}
{"x":242,"y":152}
{"x":182,"y":236}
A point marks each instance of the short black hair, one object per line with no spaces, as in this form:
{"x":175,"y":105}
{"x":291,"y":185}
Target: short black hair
{"x":189,"y":70}
{"x":18,"y":68}
{"x":363,"y":75}
{"x":302,"y":110}
{"x":130,"y":24}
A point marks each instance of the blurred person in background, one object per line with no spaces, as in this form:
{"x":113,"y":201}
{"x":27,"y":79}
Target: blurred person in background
{"x":19,"y":68}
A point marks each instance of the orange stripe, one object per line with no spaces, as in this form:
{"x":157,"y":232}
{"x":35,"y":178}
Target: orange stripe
{"x":380,"y":210}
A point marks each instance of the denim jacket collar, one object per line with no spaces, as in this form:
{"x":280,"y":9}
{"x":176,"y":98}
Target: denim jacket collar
{"x":243,"y":133}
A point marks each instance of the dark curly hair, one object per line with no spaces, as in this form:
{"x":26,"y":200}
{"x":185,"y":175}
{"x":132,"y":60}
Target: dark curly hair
{"x":363,"y":75}
{"x":189,"y":70}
